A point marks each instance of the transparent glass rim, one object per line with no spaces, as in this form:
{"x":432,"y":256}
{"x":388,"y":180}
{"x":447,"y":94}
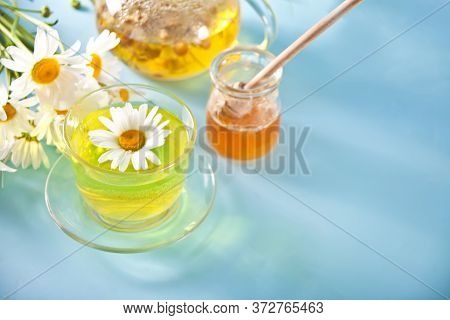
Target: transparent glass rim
{"x":153,"y":171}
{"x":264,"y":88}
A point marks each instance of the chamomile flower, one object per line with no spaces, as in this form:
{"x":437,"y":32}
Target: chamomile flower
{"x":120,"y":94}
{"x":131,"y":136}
{"x":14,"y":114}
{"x":48,"y":120}
{"x":5,"y":148}
{"x":27,"y":150}
{"x":50,"y":74}
{"x":102,"y":65}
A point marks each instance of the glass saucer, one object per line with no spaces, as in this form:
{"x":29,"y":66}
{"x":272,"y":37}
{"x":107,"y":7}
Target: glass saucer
{"x":72,"y":216}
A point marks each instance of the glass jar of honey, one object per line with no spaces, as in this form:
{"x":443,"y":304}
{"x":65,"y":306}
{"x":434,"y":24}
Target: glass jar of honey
{"x":173,"y":39}
{"x":243,"y":124}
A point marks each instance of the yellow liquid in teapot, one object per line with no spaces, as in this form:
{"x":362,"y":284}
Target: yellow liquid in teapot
{"x":169,"y":39}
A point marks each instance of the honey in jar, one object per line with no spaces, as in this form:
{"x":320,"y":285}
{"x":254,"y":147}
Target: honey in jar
{"x":243,"y":124}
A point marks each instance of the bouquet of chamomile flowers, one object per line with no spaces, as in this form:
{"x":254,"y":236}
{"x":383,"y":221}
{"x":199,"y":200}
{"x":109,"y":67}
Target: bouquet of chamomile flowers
{"x":41,"y":79}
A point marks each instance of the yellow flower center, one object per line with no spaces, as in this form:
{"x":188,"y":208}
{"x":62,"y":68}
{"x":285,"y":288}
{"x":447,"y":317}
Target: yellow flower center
{"x":10,"y":111}
{"x":96,"y":64}
{"x":132,"y":140}
{"x":45,"y":71}
{"x":61,"y":112}
{"x":124,"y":95}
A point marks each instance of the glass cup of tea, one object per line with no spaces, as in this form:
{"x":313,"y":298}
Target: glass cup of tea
{"x":127,"y":199}
{"x":243,"y":124}
{"x":173,"y":40}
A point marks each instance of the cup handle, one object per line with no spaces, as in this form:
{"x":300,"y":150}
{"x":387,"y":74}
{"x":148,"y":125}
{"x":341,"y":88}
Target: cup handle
{"x":264,"y":10}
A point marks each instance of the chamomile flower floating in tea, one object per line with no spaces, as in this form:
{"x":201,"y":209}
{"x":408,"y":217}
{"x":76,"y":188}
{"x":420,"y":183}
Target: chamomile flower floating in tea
{"x":103,"y":66}
{"x":14,"y":114}
{"x":131,"y":137}
{"x":49,"y":74}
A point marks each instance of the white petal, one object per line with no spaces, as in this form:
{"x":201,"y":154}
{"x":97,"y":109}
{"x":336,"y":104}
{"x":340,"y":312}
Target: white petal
{"x":74,"y":48}
{"x":126,"y":116}
{"x":154,"y":139}
{"x":136,"y":159}
{"x":150,"y":116}
{"x":107,"y":156}
{"x":125,"y":161}
{"x":109,"y":124}
{"x":12,"y":65}
{"x":90,"y":46}
{"x":5,"y":168}
{"x":143,"y":108}
{"x":3,"y":95}
{"x":150,"y":155}
{"x":28,"y":102}
{"x":103,"y":139}
{"x":156,"y":120}
{"x":117,"y":158}
{"x":23,"y":58}
{"x":53,"y":40}
{"x":144,"y":164}
{"x":101,"y":39}
{"x":34,"y":155}
{"x":134,"y":119}
{"x":43,"y":156}
{"x":165,"y":133}
{"x":42,"y":126}
{"x":163,"y":124}
{"x":15,"y":152}
{"x":26,"y":157}
{"x":40,"y":44}
{"x":22,"y":86}
{"x":3,"y":115}
{"x":118,"y":118}
{"x":111,"y":42}
{"x":110,"y":73}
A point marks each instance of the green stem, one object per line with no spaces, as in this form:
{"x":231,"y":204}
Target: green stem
{"x":34,"y":21}
{"x":12,"y":8}
{"x":8,"y":78}
{"x":16,"y":19}
{"x":37,"y":23}
{"x":20,"y":31}
{"x":12,"y":37}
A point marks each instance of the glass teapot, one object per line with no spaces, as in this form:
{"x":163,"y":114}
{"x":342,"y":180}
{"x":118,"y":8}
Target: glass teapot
{"x":176,"y":39}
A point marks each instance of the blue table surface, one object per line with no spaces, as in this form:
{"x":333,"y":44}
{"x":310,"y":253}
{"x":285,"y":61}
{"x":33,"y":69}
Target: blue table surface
{"x":370,"y":220}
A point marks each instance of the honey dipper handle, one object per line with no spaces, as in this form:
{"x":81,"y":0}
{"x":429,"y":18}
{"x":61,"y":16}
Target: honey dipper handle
{"x":303,"y":41}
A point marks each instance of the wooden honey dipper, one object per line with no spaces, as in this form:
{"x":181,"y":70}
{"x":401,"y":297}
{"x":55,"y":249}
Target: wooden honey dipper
{"x":302,"y":42}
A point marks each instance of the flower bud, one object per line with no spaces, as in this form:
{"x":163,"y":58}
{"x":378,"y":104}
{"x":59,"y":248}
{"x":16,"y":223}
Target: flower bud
{"x":45,"y":12}
{"x":76,"y":4}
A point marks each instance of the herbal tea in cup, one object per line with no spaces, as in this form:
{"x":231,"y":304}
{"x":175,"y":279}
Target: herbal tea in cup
{"x":129,"y":158}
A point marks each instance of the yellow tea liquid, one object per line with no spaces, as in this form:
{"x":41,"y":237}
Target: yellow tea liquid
{"x":173,"y":39}
{"x":125,"y":197}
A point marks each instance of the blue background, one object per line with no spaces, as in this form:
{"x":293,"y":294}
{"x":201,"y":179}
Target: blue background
{"x":379,"y":155}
